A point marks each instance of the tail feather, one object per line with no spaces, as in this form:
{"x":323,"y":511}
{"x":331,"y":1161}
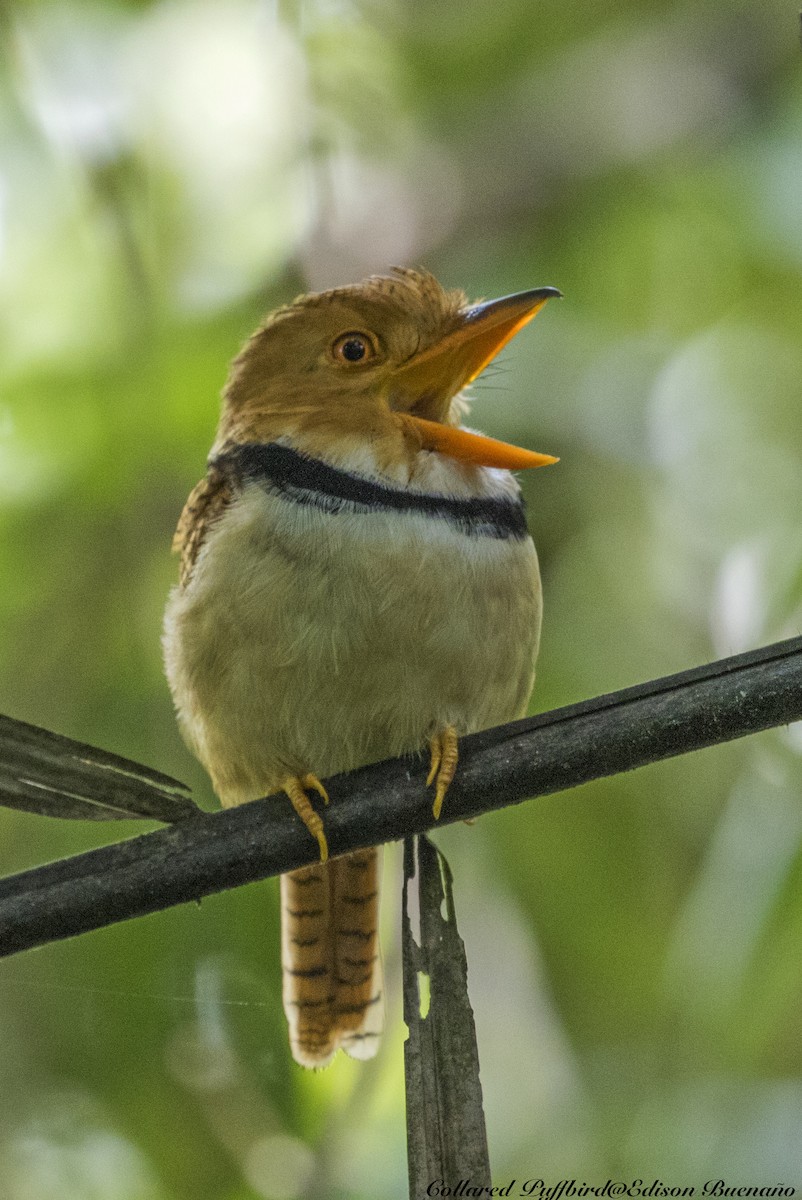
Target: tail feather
{"x":332,"y":986}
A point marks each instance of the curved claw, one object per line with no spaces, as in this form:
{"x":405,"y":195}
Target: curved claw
{"x":445,"y":754}
{"x":294,"y":786}
{"x":312,"y":781}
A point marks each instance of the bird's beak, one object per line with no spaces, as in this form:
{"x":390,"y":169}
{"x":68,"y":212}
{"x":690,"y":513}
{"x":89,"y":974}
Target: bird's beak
{"x":427,"y":383}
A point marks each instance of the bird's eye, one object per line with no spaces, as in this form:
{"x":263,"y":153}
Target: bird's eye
{"x":352,"y":348}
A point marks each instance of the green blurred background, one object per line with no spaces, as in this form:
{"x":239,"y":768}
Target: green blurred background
{"x":170,"y":172}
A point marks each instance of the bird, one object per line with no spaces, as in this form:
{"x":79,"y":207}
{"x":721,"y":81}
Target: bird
{"x":357,"y":582}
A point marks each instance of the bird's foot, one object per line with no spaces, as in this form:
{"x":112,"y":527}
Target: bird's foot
{"x":295,"y":786}
{"x":443,"y":748}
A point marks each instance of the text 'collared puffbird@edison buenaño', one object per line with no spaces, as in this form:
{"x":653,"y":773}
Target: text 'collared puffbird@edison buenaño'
{"x":357,"y":582}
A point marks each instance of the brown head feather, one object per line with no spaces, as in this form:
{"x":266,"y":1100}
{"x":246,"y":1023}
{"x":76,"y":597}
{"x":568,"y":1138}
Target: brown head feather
{"x":286,"y":382}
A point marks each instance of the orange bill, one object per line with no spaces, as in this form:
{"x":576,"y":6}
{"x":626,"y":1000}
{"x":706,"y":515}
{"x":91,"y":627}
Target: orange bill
{"x":425,"y":385}
{"x":475,"y":447}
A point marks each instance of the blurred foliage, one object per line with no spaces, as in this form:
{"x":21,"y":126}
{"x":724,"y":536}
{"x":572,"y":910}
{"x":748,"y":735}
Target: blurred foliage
{"x":170,"y":171}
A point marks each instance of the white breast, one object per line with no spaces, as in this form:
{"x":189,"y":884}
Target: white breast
{"x":309,"y":641}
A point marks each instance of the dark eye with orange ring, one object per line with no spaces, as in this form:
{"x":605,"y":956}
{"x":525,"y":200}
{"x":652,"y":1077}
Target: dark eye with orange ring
{"x":353,"y":348}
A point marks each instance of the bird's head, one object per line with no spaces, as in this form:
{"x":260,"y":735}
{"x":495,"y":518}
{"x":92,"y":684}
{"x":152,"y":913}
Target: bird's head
{"x":377,"y":365}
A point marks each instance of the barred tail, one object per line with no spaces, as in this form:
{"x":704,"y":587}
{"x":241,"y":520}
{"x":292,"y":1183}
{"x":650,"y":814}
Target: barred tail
{"x":332,"y":975}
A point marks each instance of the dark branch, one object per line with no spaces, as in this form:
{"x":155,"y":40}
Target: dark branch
{"x":387,"y":801}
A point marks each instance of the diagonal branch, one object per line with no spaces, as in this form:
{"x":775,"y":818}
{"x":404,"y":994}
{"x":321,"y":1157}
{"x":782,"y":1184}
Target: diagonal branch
{"x":387,"y":801}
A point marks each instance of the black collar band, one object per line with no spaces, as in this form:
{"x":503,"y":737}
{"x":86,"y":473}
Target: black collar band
{"x":309,"y":481}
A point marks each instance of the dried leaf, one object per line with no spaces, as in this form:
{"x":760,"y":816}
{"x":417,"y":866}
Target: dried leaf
{"x":46,"y":773}
{"x":446,"y":1137}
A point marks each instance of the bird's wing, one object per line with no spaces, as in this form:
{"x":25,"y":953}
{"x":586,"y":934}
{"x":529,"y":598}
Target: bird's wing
{"x":206,"y":504}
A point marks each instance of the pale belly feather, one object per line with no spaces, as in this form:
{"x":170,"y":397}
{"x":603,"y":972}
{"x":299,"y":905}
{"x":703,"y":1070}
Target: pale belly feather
{"x":310,"y":642}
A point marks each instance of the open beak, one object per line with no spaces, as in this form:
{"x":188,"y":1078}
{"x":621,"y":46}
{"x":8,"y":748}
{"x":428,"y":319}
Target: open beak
{"x":427,"y":383}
